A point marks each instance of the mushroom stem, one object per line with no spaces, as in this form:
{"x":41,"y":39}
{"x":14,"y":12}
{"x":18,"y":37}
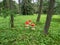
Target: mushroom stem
{"x":33,"y":28}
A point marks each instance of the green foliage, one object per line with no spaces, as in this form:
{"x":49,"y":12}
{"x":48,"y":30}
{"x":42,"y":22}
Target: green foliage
{"x":5,"y":11}
{"x":21,"y":36}
{"x":56,"y":8}
{"x":27,"y":7}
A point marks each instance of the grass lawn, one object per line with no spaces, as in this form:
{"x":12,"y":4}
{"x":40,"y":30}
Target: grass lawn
{"x":21,"y":36}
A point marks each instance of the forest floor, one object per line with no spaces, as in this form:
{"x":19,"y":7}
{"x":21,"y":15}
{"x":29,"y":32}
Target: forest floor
{"x":21,"y":36}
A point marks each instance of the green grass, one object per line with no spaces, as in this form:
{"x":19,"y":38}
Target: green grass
{"x":21,"y":36}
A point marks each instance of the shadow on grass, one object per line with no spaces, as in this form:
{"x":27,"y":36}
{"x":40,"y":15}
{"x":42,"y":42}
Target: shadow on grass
{"x":56,"y":20}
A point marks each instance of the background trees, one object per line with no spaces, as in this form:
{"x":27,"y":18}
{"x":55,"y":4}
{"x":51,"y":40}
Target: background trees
{"x":57,"y":7}
{"x":27,"y":7}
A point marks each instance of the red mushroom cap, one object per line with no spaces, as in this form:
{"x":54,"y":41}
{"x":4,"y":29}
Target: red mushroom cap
{"x":32,"y":24}
{"x":27,"y":22}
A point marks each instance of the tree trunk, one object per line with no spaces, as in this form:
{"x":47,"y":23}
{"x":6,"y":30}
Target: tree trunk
{"x":49,"y":15}
{"x":7,"y":3}
{"x":19,"y":7}
{"x":12,"y":21}
{"x":11,"y":16}
{"x":40,"y":10}
{"x":0,"y":10}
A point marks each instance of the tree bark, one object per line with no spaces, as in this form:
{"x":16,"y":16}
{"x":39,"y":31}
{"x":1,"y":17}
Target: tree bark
{"x":7,"y":3}
{"x":19,"y":7}
{"x":0,"y":10}
{"x":40,"y":10}
{"x":11,"y":16}
{"x":49,"y":15}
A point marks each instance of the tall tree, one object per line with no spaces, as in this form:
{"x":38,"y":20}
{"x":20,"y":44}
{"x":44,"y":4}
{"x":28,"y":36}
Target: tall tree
{"x":0,"y":10}
{"x":39,"y":10}
{"x":11,"y":14}
{"x":5,"y":8}
{"x":19,"y":6}
{"x":49,"y":15}
{"x":6,"y":4}
{"x":27,"y":7}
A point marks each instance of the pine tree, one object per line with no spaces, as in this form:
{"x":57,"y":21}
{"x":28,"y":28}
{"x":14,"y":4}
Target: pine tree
{"x":27,"y":8}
